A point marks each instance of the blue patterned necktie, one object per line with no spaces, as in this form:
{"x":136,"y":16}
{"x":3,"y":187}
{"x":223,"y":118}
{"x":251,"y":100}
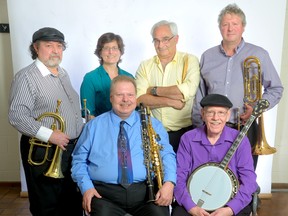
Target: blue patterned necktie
{"x":125,"y":173}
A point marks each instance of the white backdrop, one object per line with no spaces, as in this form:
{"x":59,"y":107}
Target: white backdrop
{"x":84,"y":21}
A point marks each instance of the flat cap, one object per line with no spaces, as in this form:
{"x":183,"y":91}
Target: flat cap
{"x":216,"y":100}
{"x":48,"y":34}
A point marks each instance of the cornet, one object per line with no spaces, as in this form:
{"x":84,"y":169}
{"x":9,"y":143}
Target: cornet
{"x":54,"y":170}
{"x":253,"y":93}
{"x":85,"y":111}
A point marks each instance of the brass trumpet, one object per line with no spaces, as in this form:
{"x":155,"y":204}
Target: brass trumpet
{"x":85,"y":111}
{"x":54,"y":170}
{"x":253,"y":93}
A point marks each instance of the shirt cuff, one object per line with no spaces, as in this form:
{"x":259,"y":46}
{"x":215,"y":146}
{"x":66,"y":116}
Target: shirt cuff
{"x":44,"y":134}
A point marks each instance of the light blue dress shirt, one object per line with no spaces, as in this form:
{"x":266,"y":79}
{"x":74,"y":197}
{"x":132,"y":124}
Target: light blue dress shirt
{"x":96,"y":156}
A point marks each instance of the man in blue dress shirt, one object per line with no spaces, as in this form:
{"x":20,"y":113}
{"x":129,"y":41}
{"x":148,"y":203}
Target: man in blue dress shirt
{"x":95,"y":160}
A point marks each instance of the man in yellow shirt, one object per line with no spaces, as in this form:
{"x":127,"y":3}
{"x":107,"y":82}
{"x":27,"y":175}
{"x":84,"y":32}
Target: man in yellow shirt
{"x":167,"y":82}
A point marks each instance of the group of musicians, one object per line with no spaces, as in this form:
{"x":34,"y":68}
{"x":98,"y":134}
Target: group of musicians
{"x":195,"y":107}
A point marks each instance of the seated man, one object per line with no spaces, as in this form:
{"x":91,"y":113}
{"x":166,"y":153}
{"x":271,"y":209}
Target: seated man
{"x":209,"y":144}
{"x":112,"y":179}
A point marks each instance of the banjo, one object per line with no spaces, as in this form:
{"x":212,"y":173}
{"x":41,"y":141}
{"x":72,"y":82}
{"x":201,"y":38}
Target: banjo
{"x":212,"y":185}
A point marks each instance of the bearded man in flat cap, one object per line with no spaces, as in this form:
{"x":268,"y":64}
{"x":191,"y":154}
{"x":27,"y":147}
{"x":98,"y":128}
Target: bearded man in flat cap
{"x":209,"y":144}
{"x":45,"y":87}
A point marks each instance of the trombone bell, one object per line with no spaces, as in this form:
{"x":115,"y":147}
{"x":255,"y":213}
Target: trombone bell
{"x":262,"y":147}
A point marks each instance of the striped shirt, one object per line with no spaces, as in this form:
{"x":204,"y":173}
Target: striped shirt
{"x":34,"y":91}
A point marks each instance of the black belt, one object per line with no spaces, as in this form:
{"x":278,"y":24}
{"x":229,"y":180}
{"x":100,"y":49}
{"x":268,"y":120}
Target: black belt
{"x":73,"y":141}
{"x":95,"y":182}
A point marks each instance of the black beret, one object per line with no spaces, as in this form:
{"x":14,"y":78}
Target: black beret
{"x":216,"y":100}
{"x":48,"y":34}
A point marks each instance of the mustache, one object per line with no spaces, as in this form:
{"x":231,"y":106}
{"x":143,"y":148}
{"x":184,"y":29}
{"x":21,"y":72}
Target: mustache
{"x":215,"y":122}
{"x":54,"y":55}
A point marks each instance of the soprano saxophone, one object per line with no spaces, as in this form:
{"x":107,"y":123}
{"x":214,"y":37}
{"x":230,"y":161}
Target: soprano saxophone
{"x":151,"y":149}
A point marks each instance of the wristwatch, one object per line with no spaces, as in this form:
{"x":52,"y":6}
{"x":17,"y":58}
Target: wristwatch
{"x":154,"y":91}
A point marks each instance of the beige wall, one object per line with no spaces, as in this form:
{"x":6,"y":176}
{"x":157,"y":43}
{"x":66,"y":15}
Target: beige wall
{"x":280,"y":161}
{"x":9,"y":146}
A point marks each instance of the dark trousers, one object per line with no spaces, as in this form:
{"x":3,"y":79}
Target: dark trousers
{"x":120,"y":201}
{"x":180,"y":211}
{"x":174,"y":137}
{"x":252,"y":136}
{"x":49,"y":196}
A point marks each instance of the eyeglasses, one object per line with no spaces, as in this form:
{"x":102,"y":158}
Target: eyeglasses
{"x":110,"y":49}
{"x":165,"y":40}
{"x":213,"y":113}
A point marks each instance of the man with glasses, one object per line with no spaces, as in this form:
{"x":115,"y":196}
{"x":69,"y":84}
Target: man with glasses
{"x":168,"y":81}
{"x":209,"y":144}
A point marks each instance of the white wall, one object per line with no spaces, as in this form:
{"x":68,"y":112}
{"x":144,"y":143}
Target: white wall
{"x":83,"y":22}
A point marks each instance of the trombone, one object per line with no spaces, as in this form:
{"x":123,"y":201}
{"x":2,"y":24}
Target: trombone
{"x":54,"y":170}
{"x":253,"y":93}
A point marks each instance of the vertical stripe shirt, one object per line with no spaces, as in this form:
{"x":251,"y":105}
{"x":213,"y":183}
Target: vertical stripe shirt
{"x":34,"y":91}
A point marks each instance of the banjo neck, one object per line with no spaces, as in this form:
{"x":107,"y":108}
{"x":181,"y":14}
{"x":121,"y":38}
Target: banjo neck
{"x":224,"y":163}
{"x":261,"y":105}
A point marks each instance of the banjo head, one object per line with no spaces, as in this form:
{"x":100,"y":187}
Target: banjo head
{"x":211,"y":187}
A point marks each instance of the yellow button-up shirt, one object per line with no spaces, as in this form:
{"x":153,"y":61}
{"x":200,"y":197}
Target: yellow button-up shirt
{"x":150,"y":73}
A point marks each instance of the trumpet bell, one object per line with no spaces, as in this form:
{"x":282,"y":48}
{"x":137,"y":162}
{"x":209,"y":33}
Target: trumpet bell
{"x":55,"y":170}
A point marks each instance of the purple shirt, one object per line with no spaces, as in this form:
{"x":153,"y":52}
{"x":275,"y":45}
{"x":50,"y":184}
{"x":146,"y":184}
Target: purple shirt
{"x":195,"y":150}
{"x":222,"y":74}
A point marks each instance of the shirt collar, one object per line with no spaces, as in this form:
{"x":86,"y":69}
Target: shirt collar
{"x":157,"y":60}
{"x":130,"y":120}
{"x":237,"y":49}
{"x":224,"y":137}
{"x":44,"y":70}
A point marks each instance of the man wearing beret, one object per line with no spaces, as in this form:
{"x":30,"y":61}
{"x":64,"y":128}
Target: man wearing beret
{"x":209,"y":144}
{"x":35,"y":90}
